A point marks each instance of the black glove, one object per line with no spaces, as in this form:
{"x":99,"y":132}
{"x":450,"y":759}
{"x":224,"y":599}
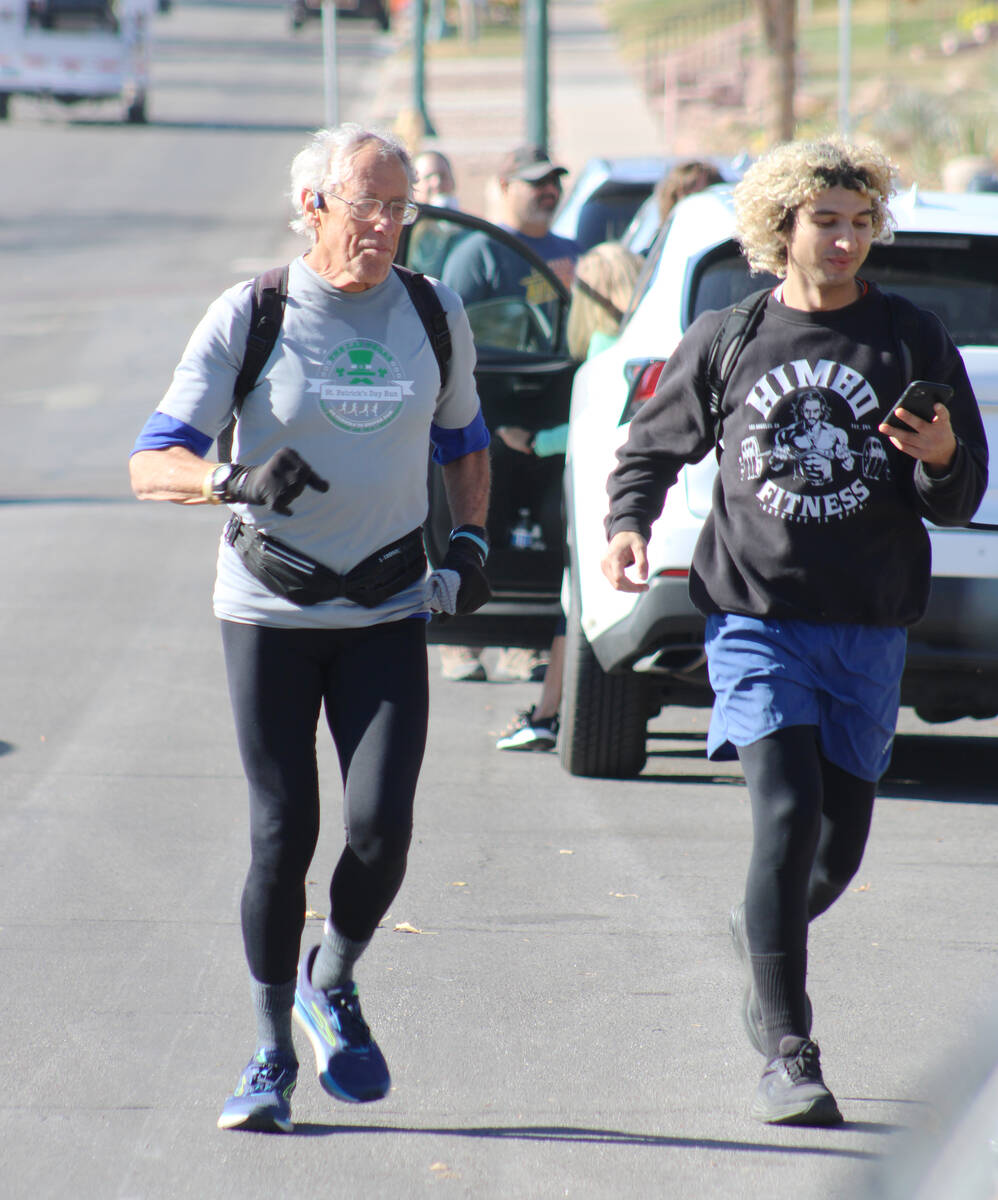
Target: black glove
{"x":466,"y":555}
{"x":275,"y":483}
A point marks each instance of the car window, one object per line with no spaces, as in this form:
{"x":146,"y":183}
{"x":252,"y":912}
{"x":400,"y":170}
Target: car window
{"x":640,"y":234}
{"x":606,"y":215}
{"x":511,"y":301}
{"x":648,"y":272}
{"x":955,"y":277}
{"x":722,"y":279}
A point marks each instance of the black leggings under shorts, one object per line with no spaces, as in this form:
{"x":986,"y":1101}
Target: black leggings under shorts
{"x":373,"y":684}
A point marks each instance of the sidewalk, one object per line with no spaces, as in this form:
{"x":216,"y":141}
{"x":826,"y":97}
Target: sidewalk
{"x":477,"y":103}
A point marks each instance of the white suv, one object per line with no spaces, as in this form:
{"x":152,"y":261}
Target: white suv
{"x":628,"y":654}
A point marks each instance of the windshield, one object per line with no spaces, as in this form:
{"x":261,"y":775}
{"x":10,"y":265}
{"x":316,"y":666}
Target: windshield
{"x":608,"y":212}
{"x":956,"y":277}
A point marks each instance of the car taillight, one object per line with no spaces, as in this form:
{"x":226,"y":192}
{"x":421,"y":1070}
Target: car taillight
{"x":642,"y":375}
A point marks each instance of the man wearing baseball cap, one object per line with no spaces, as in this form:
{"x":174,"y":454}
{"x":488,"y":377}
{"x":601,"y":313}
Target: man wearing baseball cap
{"x":530,"y":190}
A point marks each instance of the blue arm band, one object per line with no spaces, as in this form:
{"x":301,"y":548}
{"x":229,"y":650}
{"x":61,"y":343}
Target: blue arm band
{"x":449,"y":444}
{"x":161,"y":432}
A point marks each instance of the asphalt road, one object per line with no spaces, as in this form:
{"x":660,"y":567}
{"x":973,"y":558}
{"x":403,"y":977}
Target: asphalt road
{"x":553,"y":987}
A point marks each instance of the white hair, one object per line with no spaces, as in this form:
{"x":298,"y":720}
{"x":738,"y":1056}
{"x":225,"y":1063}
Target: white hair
{"x":327,"y":161}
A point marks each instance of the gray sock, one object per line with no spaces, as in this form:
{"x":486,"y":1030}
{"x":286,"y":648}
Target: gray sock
{"x":333,"y":965}
{"x":272,"y":1003}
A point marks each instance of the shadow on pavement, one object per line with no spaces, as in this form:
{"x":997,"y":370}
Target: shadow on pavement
{"x":958,"y":770}
{"x":607,"y":1137}
{"x":23,"y":501}
{"x":202,"y":126}
{"x":949,"y":770}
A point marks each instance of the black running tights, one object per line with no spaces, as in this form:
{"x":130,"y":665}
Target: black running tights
{"x":810,"y":823}
{"x":373,"y":685}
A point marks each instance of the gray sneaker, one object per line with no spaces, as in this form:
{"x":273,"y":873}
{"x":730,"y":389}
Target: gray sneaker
{"x":751,"y":1008}
{"x":792,"y":1091}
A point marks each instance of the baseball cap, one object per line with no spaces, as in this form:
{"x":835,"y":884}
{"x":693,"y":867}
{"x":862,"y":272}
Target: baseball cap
{"x":529,"y":163}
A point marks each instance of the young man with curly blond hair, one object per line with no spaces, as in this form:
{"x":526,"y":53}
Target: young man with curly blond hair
{"x":813,"y":560}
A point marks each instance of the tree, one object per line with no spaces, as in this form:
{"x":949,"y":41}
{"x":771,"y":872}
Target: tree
{"x":779,"y":24}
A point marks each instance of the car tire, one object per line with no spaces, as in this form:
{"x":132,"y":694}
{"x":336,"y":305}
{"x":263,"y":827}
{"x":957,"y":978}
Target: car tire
{"x":604,"y":718}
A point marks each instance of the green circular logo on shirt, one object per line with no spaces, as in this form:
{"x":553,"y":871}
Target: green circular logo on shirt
{"x":361,"y":389}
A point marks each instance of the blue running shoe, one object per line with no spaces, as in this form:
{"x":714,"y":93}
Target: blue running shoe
{"x":350,"y":1065}
{"x":262,"y":1099}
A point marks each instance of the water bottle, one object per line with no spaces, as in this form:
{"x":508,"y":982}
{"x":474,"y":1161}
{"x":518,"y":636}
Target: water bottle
{"x":537,"y":537}
{"x":521,"y":535}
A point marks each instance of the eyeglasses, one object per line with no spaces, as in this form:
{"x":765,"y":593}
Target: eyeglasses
{"x":402,"y":212}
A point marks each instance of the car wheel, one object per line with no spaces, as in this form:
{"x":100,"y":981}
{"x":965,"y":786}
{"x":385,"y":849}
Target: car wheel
{"x":4,"y":105}
{"x":604,"y":718}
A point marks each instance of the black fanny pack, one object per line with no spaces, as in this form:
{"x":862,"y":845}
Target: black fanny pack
{"x":300,"y":579}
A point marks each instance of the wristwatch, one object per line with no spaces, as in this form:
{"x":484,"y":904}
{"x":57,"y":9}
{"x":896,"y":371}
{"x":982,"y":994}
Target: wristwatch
{"x":219,"y":482}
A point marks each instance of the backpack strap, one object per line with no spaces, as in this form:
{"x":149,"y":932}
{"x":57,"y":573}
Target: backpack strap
{"x":270,"y":295}
{"x":733,"y":333}
{"x":431,"y":312}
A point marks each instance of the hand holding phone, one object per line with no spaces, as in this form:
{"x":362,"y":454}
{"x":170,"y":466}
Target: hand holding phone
{"x":919,"y":398}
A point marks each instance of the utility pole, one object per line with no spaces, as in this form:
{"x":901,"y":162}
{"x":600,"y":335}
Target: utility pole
{"x":419,"y":67}
{"x":845,"y":66}
{"x":779,"y":19}
{"x":536,"y":39}
{"x":330,"y":65}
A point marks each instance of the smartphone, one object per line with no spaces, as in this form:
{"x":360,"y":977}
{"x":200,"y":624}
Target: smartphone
{"x":919,"y":397}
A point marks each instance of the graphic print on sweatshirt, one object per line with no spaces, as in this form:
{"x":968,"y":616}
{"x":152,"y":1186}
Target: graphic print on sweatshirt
{"x":813,"y":452}
{"x":361,"y":388}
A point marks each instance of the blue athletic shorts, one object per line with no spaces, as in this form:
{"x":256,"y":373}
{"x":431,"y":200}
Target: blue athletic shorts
{"x":844,"y":679}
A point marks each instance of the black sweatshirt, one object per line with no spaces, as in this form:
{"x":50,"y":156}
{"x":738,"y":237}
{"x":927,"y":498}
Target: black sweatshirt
{"x":815,"y":515}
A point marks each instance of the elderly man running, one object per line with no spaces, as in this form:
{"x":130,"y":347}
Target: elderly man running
{"x":321,"y":589}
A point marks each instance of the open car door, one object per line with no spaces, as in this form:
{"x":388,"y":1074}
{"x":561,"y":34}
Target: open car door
{"x":517,"y":308}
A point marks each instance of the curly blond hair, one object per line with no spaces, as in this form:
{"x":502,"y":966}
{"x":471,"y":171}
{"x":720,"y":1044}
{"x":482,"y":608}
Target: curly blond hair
{"x":772,"y":190}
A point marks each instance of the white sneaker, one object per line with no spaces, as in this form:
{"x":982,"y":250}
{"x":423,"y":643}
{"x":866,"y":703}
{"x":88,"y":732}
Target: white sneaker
{"x":521,"y":663}
{"x":462,"y":664}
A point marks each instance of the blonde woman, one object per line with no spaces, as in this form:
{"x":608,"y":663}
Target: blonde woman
{"x":601,"y":291}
